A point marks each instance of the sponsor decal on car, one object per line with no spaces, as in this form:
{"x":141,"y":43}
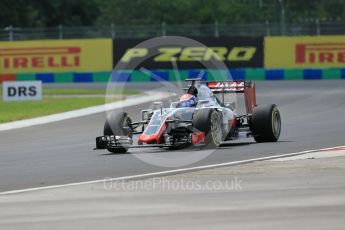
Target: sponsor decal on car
{"x":226,"y":86}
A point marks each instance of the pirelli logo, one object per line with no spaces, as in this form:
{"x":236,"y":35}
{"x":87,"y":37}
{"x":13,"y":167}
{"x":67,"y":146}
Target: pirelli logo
{"x":320,"y":53}
{"x":40,"y":57}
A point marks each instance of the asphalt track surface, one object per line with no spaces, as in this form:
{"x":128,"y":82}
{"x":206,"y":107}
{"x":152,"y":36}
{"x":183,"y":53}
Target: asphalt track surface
{"x":61,"y":152}
{"x":295,"y":194}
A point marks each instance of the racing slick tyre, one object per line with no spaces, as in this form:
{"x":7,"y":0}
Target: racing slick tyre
{"x":209,"y":122}
{"x":266,"y":123}
{"x":117,"y":124}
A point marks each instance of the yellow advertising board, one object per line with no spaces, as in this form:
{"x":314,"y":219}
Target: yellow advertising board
{"x":305,"y":52}
{"x":54,"y":56}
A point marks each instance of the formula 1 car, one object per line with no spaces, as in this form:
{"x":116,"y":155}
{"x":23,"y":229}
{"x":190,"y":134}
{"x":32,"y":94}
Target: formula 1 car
{"x":209,"y":123}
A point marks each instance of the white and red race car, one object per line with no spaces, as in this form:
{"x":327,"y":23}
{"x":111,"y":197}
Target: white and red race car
{"x":210,"y":123}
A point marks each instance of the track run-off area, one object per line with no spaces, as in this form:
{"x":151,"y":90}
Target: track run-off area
{"x":62,"y":152}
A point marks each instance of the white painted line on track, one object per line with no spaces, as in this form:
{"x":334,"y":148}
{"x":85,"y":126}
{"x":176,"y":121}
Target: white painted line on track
{"x":315,"y":155}
{"x":166,"y":173}
{"x":84,"y":112}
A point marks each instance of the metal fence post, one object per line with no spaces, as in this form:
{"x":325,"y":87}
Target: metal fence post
{"x":268,"y":32}
{"x":282,"y":17}
{"x":10,"y":33}
{"x":216,"y":29}
{"x":113,"y":33}
{"x":163,"y":29}
{"x":317,"y":23}
{"x":283,"y":22}
{"x":60,"y":32}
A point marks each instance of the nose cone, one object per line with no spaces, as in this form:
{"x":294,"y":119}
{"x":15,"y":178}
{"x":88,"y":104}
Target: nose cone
{"x":148,"y":139}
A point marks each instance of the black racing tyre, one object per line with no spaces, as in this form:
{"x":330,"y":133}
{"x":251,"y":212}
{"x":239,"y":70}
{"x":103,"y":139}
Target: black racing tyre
{"x":266,"y":123}
{"x":117,"y":124}
{"x":209,"y":121}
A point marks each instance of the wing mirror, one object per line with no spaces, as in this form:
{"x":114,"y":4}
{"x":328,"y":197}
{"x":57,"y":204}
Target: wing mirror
{"x":145,"y":114}
{"x":158,"y":105}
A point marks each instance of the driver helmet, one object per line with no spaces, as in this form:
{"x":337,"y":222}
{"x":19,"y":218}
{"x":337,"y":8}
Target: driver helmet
{"x":187,"y":100}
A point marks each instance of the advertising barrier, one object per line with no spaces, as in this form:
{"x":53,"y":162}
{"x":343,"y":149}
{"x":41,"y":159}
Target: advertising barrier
{"x":56,"y":56}
{"x":305,"y":52}
{"x":172,"y":75}
{"x":92,"y":60}
{"x":235,"y":52}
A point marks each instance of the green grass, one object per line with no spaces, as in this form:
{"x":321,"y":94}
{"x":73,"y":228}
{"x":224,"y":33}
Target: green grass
{"x":18,"y":110}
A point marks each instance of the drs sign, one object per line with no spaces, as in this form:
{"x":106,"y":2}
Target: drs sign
{"x":22,"y":90}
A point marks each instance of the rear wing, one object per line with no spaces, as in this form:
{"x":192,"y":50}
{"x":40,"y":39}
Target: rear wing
{"x":245,"y":87}
{"x":228,"y":86}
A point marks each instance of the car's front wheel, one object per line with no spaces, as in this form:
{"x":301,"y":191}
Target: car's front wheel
{"x":118,"y":124}
{"x":209,"y":122}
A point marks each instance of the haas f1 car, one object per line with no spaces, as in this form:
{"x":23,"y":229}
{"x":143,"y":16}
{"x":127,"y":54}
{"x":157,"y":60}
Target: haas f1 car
{"x":202,"y":118}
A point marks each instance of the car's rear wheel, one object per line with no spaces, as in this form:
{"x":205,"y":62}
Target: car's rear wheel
{"x":209,"y":122}
{"x":117,"y":124}
{"x":266,"y":123}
